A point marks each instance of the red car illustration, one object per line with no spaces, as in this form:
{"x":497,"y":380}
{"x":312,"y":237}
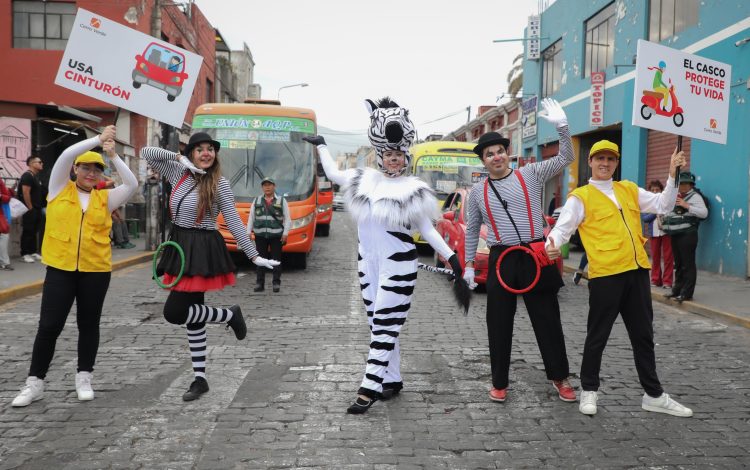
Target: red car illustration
{"x":162,"y":68}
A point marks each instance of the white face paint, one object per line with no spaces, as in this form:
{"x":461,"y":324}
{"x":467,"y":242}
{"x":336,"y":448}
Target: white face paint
{"x":204,"y":155}
{"x":496,"y":160}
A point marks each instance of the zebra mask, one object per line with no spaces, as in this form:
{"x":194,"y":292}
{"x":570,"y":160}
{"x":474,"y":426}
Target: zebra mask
{"x":390,"y":129}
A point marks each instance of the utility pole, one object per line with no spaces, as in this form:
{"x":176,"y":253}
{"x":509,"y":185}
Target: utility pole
{"x":153,"y":207}
{"x":468,"y":114}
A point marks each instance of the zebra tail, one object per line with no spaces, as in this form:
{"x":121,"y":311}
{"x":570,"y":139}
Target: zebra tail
{"x":462,"y":294}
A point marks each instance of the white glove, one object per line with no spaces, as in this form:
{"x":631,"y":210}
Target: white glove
{"x":553,"y":113}
{"x":189,"y":165}
{"x":266,"y":263}
{"x":469,"y":278}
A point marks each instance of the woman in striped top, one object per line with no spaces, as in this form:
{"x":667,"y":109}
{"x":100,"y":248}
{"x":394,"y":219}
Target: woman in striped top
{"x":199,"y":193}
{"x":509,"y":202}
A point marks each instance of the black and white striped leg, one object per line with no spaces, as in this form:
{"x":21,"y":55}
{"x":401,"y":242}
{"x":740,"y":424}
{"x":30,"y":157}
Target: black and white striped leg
{"x":197,"y":341}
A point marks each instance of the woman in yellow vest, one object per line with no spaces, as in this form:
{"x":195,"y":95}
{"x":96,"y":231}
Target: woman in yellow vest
{"x":78,"y":256}
{"x":607,"y":214}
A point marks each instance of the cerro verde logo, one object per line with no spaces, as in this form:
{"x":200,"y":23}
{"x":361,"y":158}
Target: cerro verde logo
{"x":712,"y":123}
{"x":95,"y":22}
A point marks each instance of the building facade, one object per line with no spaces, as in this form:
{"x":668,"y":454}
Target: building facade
{"x":578,"y":39}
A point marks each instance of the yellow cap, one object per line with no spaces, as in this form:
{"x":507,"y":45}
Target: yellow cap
{"x":604,"y":146}
{"x":90,"y":157}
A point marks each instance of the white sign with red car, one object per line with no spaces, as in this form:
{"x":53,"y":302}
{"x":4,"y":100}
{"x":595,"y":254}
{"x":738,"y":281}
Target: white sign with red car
{"x":129,"y":69}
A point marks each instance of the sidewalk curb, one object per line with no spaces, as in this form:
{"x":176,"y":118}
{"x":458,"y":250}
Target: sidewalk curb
{"x":688,"y":306}
{"x":31,"y":288}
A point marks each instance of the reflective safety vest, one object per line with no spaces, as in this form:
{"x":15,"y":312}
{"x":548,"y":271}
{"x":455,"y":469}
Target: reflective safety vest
{"x":75,"y":240}
{"x":268,"y":221}
{"x":613,"y":238}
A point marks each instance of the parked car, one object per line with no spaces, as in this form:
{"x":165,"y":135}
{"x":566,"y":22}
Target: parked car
{"x":338,"y":202}
{"x":452,"y":227}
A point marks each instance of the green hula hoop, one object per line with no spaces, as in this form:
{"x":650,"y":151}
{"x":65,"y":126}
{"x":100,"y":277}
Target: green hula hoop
{"x":182,"y":264}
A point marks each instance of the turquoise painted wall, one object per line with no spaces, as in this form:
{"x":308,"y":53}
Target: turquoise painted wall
{"x":723,"y":171}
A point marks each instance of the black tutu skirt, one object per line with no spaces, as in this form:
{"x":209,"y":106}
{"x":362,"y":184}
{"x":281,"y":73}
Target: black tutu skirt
{"x":206,"y":254}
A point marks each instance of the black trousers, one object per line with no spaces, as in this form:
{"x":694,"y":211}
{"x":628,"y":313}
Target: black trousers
{"x":627,"y":294}
{"x":269,"y":248}
{"x":31,"y":223}
{"x":60,"y":289}
{"x":686,"y":273}
{"x":544,"y":313}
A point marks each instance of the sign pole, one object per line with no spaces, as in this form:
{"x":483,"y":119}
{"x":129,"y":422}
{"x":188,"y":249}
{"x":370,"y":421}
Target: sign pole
{"x":117,"y":115}
{"x":677,"y":170}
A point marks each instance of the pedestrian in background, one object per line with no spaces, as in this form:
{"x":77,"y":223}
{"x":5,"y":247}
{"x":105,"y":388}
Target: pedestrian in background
{"x":78,"y":258}
{"x":607,"y":216}
{"x":508,"y":202}
{"x":270,"y":221}
{"x":30,"y":192}
{"x":5,"y":223}
{"x":199,"y":193}
{"x":682,"y":225}
{"x":661,"y":245}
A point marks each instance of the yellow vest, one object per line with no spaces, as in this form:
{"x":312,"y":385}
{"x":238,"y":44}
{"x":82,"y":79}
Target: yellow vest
{"x":74,"y":240}
{"x":613,"y":238}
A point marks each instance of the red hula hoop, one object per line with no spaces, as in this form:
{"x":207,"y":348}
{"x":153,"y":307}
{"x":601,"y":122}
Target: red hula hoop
{"x":536,"y":262}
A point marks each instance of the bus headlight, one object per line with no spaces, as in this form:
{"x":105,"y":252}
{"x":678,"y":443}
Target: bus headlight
{"x":303,"y":221}
{"x":324,"y":207}
{"x":482,"y":247}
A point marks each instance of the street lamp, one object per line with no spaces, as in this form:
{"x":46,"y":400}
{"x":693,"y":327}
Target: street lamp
{"x":278,"y":94}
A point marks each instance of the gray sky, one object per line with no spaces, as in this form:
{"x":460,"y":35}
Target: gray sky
{"x":434,"y":57}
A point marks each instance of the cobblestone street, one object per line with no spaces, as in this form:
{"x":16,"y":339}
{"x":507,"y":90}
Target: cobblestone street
{"x":278,"y":398}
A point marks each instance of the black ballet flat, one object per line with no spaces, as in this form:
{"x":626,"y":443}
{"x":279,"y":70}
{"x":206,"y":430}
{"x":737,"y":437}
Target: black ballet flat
{"x":360,"y":406}
{"x":390,"y":390}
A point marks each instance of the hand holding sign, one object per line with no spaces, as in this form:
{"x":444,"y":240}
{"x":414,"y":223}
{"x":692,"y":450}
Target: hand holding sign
{"x":108,"y":133}
{"x":109,"y":148}
{"x":678,"y":160}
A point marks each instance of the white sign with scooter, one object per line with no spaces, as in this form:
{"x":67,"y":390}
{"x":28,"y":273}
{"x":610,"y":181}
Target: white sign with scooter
{"x":681,"y":93}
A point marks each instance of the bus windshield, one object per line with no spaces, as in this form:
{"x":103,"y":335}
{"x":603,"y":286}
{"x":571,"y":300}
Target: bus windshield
{"x":445,"y":173}
{"x":248,"y":156}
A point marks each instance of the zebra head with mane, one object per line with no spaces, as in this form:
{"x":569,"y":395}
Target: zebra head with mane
{"x":390,"y":129}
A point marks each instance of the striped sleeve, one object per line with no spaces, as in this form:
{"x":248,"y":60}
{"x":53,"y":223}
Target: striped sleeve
{"x":548,"y":168}
{"x":164,"y":162}
{"x":232,"y":219}
{"x":473,"y":224}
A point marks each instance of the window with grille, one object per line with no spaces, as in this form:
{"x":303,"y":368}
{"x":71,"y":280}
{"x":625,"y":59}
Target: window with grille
{"x":600,"y":40}
{"x":669,"y":17}
{"x":552,"y":68}
{"x":42,"y":25}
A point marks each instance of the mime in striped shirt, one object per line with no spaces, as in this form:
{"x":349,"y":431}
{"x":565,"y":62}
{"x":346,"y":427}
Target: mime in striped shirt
{"x":509,"y":203}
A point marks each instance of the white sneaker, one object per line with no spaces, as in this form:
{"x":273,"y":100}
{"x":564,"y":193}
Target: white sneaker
{"x":27,"y":259}
{"x":32,"y":391}
{"x":36,"y":256}
{"x":665,"y":404}
{"x":588,"y":403}
{"x":83,"y":386}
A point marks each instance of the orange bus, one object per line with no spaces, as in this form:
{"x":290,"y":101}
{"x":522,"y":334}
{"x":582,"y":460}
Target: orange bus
{"x":263,"y":139}
{"x":325,"y":203}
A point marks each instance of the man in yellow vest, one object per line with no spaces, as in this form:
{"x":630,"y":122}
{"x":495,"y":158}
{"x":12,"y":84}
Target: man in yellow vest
{"x":607,"y":216}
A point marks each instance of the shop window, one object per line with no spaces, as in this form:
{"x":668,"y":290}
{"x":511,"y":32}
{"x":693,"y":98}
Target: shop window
{"x":600,"y":40}
{"x":669,"y":17}
{"x":552,"y":68}
{"x":42,"y":25}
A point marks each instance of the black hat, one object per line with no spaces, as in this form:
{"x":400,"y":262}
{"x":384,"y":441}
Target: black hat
{"x":199,"y":138}
{"x":490,"y":138}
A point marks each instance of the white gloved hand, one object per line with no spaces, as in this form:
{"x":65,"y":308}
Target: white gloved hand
{"x":266,"y":263}
{"x":553,"y":112}
{"x":469,"y":278}
{"x":189,"y":165}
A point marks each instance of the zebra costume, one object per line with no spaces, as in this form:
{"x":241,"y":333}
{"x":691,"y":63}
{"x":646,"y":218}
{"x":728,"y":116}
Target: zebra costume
{"x":387,"y":208}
